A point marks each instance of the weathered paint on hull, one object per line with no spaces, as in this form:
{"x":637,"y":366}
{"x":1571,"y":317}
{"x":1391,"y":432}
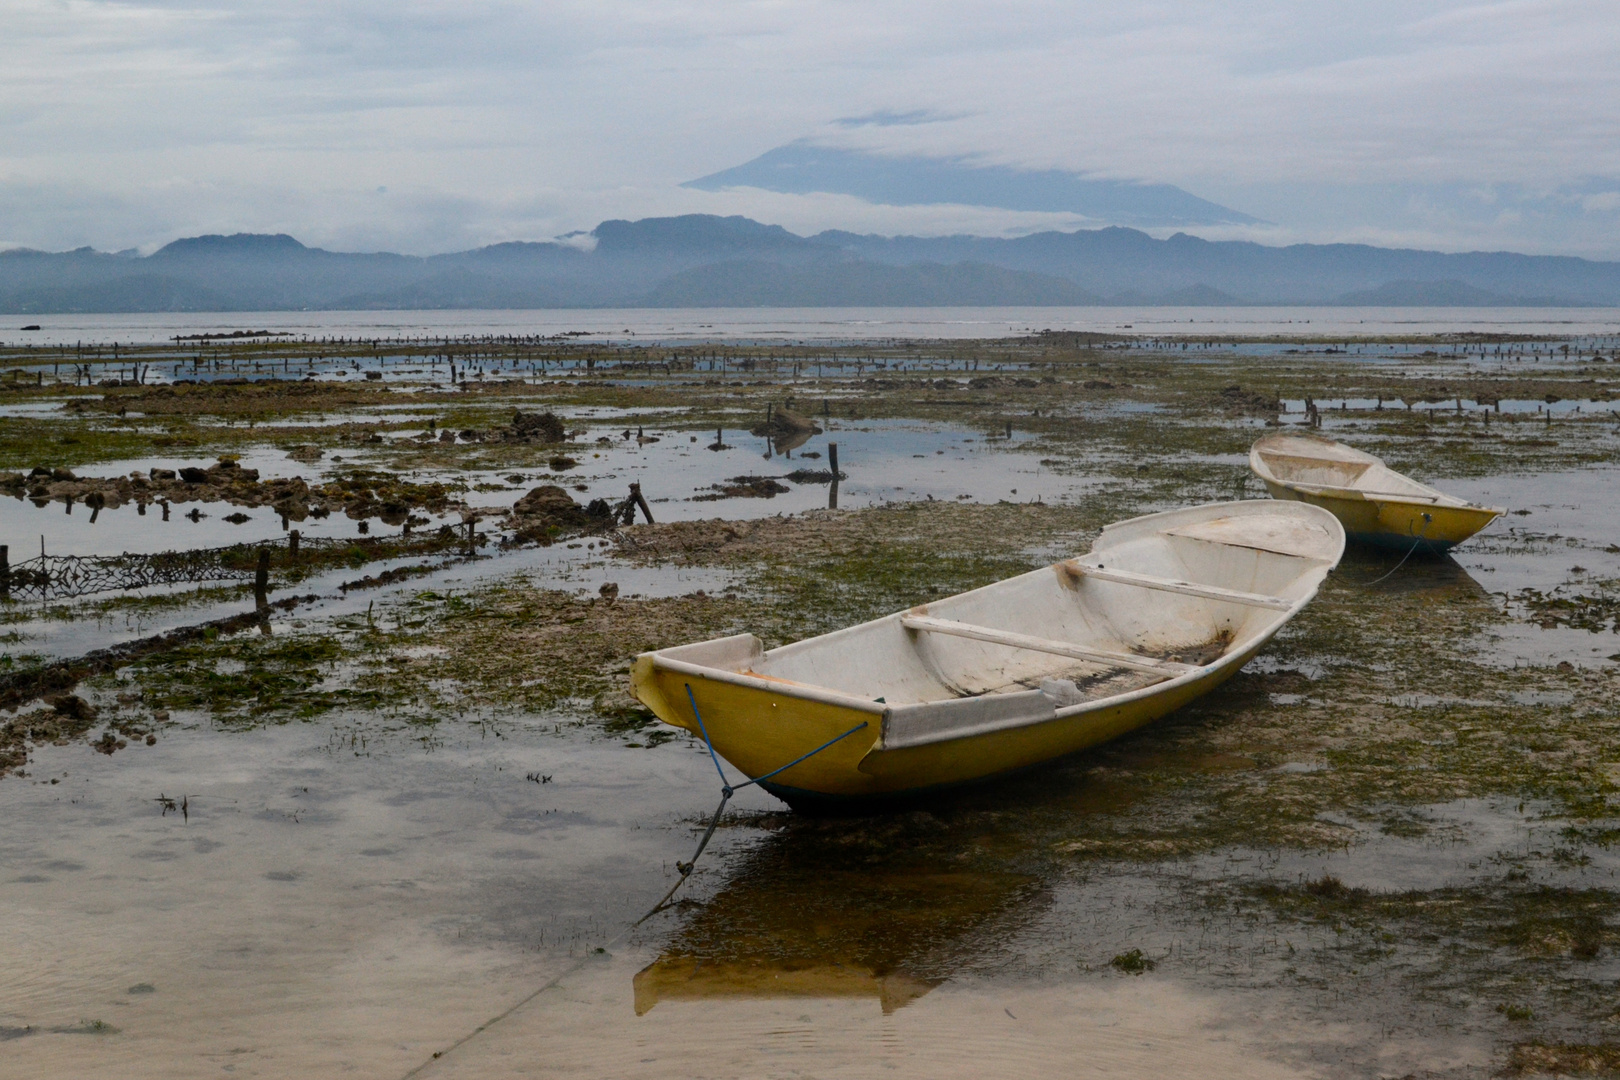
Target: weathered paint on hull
{"x":853,"y":771}
{"x":1395,"y":525}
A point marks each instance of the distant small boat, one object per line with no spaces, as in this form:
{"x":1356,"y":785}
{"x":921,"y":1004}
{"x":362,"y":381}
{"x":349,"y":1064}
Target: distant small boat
{"x":1164,"y":609}
{"x":1376,"y":504}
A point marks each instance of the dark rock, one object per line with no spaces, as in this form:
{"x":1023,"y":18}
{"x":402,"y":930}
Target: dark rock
{"x":813,"y":476}
{"x":537,"y":427}
{"x":73,"y":706}
{"x":548,"y":500}
{"x":746,"y":487}
{"x":229,"y":472}
{"x":1235,"y":399}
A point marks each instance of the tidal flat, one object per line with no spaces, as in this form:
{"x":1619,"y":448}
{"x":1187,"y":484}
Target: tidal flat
{"x":398,"y":814}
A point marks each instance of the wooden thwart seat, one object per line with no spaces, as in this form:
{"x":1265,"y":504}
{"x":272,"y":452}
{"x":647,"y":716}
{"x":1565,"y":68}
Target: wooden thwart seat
{"x":1186,"y":588}
{"x":1167,"y":668}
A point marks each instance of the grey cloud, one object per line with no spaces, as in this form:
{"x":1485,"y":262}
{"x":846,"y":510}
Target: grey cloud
{"x":890,"y":118}
{"x":142,"y":120}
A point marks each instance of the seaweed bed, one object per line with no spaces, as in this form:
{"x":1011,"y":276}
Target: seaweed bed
{"x":1350,"y":734}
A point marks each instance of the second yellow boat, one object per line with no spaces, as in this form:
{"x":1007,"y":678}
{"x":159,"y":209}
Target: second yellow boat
{"x":1377,"y":505}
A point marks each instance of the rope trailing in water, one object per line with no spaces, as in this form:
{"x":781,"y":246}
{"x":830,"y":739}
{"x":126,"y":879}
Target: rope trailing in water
{"x":727,"y":790}
{"x":1428,"y":519}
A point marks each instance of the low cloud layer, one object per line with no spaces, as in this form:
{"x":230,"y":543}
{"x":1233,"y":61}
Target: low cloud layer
{"x":436,"y":126}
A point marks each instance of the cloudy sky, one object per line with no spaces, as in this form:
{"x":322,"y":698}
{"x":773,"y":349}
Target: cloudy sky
{"x":424,"y":126}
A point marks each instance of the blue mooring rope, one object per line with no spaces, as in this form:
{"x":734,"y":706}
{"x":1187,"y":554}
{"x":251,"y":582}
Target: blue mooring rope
{"x":1428,"y":519}
{"x":727,"y":790}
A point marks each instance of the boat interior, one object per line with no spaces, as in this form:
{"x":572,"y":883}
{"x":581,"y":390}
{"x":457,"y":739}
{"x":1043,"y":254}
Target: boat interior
{"x":1326,"y":466}
{"x":1147,"y":605}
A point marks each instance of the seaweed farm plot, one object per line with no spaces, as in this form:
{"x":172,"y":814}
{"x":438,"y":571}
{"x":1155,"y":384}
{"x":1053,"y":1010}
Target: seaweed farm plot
{"x":67,"y":576}
{"x":400,"y":815}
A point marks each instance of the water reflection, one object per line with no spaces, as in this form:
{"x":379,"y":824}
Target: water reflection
{"x":842,"y":909}
{"x":1440,"y":575}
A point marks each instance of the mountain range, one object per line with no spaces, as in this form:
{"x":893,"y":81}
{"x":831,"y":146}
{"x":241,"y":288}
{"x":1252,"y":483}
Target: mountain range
{"x":707,"y":261}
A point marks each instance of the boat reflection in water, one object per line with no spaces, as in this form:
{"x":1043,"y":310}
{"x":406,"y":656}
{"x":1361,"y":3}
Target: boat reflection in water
{"x":674,"y":978}
{"x":1438,"y":577}
{"x":798,"y":922}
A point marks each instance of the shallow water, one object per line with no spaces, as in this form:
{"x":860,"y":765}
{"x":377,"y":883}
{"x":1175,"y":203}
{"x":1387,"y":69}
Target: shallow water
{"x":359,"y":896}
{"x":884,"y":461}
{"x":334,"y":897}
{"x":827,"y":324}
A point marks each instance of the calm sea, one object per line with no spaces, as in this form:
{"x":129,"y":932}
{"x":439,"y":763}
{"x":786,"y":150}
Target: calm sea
{"x":783,"y":325}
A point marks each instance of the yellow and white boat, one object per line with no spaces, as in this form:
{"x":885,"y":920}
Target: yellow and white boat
{"x":1376,"y":504}
{"x":1164,"y":609}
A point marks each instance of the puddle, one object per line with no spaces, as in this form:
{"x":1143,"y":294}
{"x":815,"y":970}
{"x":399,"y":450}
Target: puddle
{"x":884,"y":461}
{"x":60,"y":530}
{"x":839,"y":1028}
{"x":271,"y":939}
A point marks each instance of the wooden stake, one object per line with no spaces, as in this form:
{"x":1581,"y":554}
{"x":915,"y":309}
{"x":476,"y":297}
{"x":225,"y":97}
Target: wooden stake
{"x":261,"y":580}
{"x":639,"y":500}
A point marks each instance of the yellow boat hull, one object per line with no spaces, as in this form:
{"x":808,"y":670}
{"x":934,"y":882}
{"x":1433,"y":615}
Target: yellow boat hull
{"x":760,"y":730}
{"x":1376,"y":505}
{"x":1396,"y":525}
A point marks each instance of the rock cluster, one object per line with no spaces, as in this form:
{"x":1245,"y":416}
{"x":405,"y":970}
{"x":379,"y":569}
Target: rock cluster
{"x":359,"y":496}
{"x":1236,"y":400}
{"x":747,"y":487}
{"x":525,"y":428}
{"x":548,"y":511}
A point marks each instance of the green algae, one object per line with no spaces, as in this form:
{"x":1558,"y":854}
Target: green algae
{"x":252,"y":679}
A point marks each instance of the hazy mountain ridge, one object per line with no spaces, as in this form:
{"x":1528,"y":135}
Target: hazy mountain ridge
{"x":704,"y":261}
